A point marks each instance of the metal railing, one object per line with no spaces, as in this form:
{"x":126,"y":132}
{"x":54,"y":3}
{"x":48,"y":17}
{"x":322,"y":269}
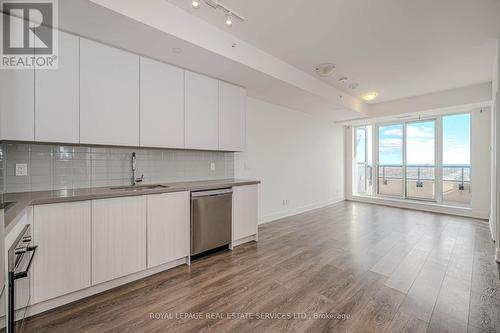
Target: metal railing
{"x":420,"y":173}
{"x":457,"y":174}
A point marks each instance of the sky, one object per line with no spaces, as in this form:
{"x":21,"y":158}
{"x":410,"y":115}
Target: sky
{"x":420,"y":142}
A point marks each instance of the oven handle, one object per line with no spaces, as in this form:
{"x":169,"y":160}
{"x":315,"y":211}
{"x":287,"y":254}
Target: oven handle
{"x":23,"y":274}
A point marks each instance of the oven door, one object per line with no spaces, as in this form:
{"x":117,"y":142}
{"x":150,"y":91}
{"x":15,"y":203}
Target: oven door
{"x":19,"y":281}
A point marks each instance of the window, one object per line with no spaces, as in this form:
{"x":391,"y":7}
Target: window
{"x":456,"y":158}
{"x":420,"y":160}
{"x":412,"y":162}
{"x":363,"y":160}
{"x":390,"y":157}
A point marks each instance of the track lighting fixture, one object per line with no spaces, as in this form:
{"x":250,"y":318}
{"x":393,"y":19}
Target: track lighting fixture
{"x":229,"y":20}
{"x":215,"y":4}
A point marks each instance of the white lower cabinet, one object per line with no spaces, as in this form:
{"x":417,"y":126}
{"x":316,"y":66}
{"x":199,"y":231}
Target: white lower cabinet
{"x":85,"y":243}
{"x":245,"y":212}
{"x":62,"y":261}
{"x":168,"y":227}
{"x":118,"y":237}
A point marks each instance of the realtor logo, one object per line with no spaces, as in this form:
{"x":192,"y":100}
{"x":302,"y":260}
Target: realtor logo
{"x":29,"y":34}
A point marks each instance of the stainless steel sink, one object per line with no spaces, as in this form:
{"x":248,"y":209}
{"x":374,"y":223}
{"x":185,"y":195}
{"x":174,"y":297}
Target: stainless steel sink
{"x":138,"y":187}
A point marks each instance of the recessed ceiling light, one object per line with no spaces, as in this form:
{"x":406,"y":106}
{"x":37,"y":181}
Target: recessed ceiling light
{"x":229,"y":20}
{"x":369,"y":96}
{"x":325,"y":69}
{"x":343,"y":79}
{"x":195,"y":4}
{"x":354,"y":85}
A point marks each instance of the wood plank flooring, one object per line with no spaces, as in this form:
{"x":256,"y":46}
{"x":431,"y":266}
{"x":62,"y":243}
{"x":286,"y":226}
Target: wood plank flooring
{"x":349,"y":267}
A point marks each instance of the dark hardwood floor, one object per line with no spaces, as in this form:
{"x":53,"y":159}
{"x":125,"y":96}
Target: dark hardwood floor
{"x":349,"y":267}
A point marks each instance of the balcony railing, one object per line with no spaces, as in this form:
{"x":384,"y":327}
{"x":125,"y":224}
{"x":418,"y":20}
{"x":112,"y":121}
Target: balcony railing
{"x":421,"y":181}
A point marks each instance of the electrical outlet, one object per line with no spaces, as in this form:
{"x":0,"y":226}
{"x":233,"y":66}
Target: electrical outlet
{"x":21,"y":169}
{"x":212,"y":166}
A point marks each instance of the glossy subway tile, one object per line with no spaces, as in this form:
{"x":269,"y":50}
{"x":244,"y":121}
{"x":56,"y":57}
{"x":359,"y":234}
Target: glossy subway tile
{"x":53,"y":167}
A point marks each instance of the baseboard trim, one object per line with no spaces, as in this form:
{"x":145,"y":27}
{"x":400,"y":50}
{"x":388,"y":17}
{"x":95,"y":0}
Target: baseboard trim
{"x":90,"y":291}
{"x":423,"y":206}
{"x":290,"y":212}
{"x":253,"y":238}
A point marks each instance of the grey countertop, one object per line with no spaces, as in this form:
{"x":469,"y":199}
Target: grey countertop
{"x":22,"y":200}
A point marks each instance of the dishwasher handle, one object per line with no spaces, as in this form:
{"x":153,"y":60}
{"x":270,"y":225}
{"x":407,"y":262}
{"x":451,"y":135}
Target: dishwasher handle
{"x":213,"y":193}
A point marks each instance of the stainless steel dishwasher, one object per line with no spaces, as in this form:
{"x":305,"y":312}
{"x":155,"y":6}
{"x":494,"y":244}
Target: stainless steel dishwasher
{"x":211,"y":215}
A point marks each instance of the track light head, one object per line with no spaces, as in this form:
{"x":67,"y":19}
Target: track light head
{"x":195,"y":4}
{"x":229,"y":20}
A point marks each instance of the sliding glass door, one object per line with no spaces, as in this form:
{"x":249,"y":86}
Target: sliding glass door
{"x":419,"y":159}
{"x":390,"y":160}
{"x":456,"y":158}
{"x":420,"y":138}
{"x":363,"y":160}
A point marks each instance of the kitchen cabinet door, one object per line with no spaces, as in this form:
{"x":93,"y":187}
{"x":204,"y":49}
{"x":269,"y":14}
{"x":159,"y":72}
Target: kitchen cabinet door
{"x":232,"y":117}
{"x":109,"y":95}
{"x":61,"y":264}
{"x":118,"y":237}
{"x":168,"y":227}
{"x":245,"y":211}
{"x":201,"y":112}
{"x":17,"y":112}
{"x":162,"y":105}
{"x":57,"y":95}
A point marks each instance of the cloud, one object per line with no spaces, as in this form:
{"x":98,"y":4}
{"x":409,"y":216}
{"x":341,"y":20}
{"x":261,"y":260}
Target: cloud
{"x":393,"y":132}
{"x":420,"y":132}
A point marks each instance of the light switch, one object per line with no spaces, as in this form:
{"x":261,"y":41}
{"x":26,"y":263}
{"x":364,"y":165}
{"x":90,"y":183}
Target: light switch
{"x":21,"y":169}
{"x":212,"y":166}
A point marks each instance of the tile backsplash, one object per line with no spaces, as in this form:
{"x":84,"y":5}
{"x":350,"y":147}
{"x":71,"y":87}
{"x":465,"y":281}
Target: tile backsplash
{"x":2,"y":168}
{"x":55,"y":167}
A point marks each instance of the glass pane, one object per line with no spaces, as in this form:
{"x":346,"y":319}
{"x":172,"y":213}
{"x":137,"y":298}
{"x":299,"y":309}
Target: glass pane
{"x":361,"y":160}
{"x":456,"y":158}
{"x":390,"y":152}
{"x":361,"y":145}
{"x":369,"y":160}
{"x":420,"y":160}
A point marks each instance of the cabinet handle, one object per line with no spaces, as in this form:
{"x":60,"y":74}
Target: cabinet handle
{"x":22,"y":274}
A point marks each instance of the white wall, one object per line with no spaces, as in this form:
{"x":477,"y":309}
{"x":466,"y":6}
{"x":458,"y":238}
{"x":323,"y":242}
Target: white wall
{"x":481,"y":163}
{"x":495,"y":155}
{"x":297,"y":157}
{"x":439,"y":100}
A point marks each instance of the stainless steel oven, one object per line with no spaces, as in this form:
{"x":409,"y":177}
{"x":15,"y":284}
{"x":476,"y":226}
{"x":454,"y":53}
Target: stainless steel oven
{"x":211,"y":216}
{"x":20,"y":256}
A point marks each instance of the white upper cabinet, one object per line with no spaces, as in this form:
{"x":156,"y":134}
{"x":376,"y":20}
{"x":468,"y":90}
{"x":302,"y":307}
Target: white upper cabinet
{"x":17,"y":121}
{"x":201,"y":112}
{"x":56,"y":95}
{"x":162,"y":105}
{"x":232,"y":117}
{"x":109,"y":95}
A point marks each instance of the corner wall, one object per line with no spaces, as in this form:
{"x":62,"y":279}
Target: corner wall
{"x":298,"y":157}
{"x":495,"y":155}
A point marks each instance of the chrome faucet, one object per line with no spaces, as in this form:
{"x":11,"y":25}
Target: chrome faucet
{"x":135,"y":179}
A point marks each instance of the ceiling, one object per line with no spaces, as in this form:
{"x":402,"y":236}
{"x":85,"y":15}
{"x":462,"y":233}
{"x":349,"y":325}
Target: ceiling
{"x":399,"y":48}
{"x":87,"y":19}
